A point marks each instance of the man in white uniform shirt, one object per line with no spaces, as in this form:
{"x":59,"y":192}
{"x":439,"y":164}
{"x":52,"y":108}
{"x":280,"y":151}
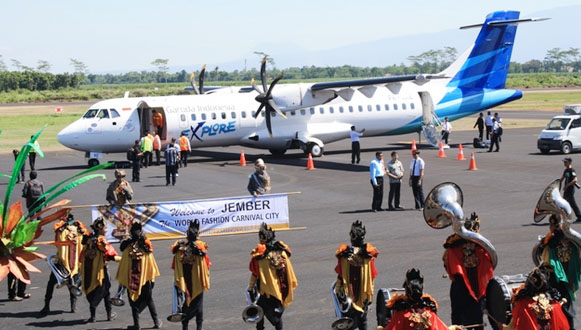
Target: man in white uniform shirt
{"x":488,"y":122}
{"x":355,"y":147}
{"x":446,"y":130}
{"x":416,"y":179}
{"x":376,"y":172}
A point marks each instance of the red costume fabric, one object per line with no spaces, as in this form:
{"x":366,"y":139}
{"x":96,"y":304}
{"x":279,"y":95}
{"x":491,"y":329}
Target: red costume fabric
{"x":454,"y":263}
{"x":525,"y":318}
{"x":414,"y":318}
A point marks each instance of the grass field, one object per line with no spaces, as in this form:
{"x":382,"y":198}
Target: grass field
{"x":20,"y":121}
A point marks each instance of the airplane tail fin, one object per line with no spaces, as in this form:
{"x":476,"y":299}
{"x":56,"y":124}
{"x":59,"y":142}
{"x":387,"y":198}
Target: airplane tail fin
{"x":486,"y":64}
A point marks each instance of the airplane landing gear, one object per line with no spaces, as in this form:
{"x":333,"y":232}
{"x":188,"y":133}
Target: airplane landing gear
{"x":93,"y":162}
{"x":314,"y":149}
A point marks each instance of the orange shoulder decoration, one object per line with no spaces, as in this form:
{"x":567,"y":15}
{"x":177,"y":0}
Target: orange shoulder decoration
{"x":81,"y":226}
{"x":427,"y":296}
{"x":371,"y":250}
{"x":202,"y":246}
{"x":547,"y":238}
{"x":59,"y":225}
{"x":286,"y":247}
{"x":396,"y":297}
{"x":149,"y":245}
{"x":515,"y":293}
{"x":258,"y":251}
{"x":452,"y":239}
{"x":341,"y":249}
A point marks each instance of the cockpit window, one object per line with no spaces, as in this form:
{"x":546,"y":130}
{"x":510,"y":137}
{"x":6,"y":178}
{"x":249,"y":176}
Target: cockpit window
{"x":91,"y":113}
{"x":114,"y":113}
{"x":104,"y":113}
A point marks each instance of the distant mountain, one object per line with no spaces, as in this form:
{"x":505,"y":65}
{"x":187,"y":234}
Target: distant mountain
{"x":532,"y":42}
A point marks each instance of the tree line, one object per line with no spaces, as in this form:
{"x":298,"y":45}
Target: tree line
{"x":432,"y":61}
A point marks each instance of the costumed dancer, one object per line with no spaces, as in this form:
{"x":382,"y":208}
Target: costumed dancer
{"x":97,"y":252}
{"x":469,"y":267}
{"x":415,"y":310}
{"x":356,"y":273}
{"x":137,"y":272}
{"x":272,"y":277}
{"x":563,"y":255}
{"x":191,"y":266}
{"x":536,"y":305}
{"x":68,"y":238}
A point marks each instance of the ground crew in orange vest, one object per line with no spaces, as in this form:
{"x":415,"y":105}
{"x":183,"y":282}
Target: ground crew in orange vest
{"x":147,"y":148}
{"x":157,"y":119}
{"x":156,"y":146}
{"x":185,"y":149}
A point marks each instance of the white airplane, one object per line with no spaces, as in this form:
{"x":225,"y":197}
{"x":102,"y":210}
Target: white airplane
{"x":316,"y":113}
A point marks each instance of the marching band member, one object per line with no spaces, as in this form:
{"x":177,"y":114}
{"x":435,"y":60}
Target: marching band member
{"x":191,"y":266}
{"x":356,"y":273}
{"x":137,"y":272}
{"x":536,"y":305}
{"x":469,"y":267}
{"x":66,"y":231}
{"x":94,"y":273}
{"x":273,"y":275}
{"x":415,"y":310}
{"x":563,"y":255}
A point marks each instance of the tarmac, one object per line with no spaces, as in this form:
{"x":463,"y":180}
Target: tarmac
{"x":503,"y":191}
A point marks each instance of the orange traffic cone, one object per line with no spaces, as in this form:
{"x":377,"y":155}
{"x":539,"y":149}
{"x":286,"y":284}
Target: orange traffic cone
{"x":310,"y":164}
{"x":414,"y":148}
{"x":472,"y":166}
{"x":242,"y":158}
{"x":441,"y":153}
{"x":460,"y":153}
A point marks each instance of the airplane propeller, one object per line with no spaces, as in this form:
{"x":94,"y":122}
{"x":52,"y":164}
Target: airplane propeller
{"x":201,"y":79}
{"x":265,"y":97}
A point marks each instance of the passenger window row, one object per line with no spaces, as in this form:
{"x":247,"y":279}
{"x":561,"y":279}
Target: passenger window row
{"x":303,"y":112}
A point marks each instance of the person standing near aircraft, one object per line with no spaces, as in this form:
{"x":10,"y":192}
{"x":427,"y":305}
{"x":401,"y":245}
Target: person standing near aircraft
{"x":191,"y":266}
{"x":376,"y":172}
{"x":446,"y":130}
{"x":356,"y":273}
{"x":97,"y":252}
{"x":480,"y":124}
{"x":32,"y":154}
{"x":395,"y":172}
{"x":495,"y":135}
{"x":355,"y":146}
{"x":156,"y":146}
{"x":417,"y":166}
{"x":21,"y":177}
{"x":137,"y":272}
{"x":32,"y":191}
{"x":157,"y":120}
{"x":147,"y":148}
{"x":272,"y":276}
{"x":135,"y":157}
{"x":185,"y":149}
{"x":172,"y":159}
{"x":489,"y":124}
{"x":259,"y":181}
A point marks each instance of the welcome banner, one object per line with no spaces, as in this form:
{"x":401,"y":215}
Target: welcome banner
{"x":216,"y":216}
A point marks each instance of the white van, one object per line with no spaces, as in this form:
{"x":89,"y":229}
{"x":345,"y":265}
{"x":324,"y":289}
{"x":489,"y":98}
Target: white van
{"x":563,"y":132}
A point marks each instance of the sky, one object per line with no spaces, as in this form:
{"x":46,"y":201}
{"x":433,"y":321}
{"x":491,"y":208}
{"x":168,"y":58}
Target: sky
{"x":127,"y":35}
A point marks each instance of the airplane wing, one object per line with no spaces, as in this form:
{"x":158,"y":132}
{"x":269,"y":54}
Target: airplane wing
{"x":373,"y":81}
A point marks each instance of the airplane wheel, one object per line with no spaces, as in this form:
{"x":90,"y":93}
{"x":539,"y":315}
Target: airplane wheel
{"x":315,"y":150}
{"x":93,"y":162}
{"x":277,"y":152}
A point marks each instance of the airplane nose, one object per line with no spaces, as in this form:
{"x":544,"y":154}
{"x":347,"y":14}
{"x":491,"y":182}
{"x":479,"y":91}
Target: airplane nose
{"x":68,"y":136}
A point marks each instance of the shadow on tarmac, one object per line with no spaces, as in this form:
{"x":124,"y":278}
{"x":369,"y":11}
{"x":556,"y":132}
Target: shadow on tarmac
{"x":28,"y":314}
{"x":57,"y":323}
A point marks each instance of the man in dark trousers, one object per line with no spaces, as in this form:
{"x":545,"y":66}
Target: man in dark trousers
{"x":21,"y":177}
{"x":417,"y":179}
{"x":480,"y":124}
{"x":355,"y":147}
{"x":172,"y":158}
{"x":495,"y":135}
{"x":488,"y":122}
{"x":135,"y":158}
{"x":568,"y":182}
{"x":376,"y":172}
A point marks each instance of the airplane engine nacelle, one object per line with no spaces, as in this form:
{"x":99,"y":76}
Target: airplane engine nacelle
{"x":296,"y":96}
